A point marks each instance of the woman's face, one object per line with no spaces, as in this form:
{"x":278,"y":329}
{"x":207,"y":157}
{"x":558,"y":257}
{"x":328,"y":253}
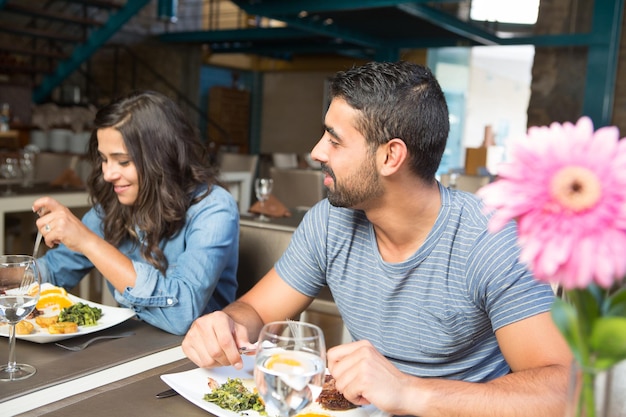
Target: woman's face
{"x":117,"y":166}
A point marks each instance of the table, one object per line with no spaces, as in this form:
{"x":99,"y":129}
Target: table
{"x":133,"y":396}
{"x":286,"y":224}
{"x":62,"y":374}
{"x":23,"y":200}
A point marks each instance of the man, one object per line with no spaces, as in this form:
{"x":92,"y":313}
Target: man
{"x":445,"y":319}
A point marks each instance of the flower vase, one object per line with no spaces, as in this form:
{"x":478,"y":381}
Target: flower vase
{"x":592,"y":393}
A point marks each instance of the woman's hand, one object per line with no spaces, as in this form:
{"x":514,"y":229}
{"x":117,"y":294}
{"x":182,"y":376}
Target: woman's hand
{"x":58,"y":224}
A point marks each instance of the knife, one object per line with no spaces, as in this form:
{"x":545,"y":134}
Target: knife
{"x":248,"y":351}
{"x":167,"y":393}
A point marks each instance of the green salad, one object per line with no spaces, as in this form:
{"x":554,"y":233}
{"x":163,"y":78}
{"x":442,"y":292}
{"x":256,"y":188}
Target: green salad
{"x":81,"y":314}
{"x":234,"y":396}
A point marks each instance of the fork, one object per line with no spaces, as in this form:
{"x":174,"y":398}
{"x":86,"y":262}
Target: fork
{"x":82,"y":346}
{"x":37,"y":243}
{"x":39,"y":235}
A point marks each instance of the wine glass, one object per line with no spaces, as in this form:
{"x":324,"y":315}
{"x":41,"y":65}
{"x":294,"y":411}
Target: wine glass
{"x":27,"y":166}
{"x":10,"y":171}
{"x":290,"y":366}
{"x":263,"y":190}
{"x":19,"y":293}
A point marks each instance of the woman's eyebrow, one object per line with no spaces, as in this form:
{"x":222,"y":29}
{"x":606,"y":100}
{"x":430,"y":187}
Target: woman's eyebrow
{"x":115,"y":154}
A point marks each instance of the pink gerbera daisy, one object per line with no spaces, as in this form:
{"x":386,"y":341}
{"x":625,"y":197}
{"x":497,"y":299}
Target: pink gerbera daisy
{"x":566,"y":187}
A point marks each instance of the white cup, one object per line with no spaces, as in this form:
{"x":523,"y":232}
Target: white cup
{"x":39,"y":138}
{"x":60,"y":139}
{"x":79,"y":142}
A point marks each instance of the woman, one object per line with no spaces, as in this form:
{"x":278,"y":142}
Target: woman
{"x":161,"y":230}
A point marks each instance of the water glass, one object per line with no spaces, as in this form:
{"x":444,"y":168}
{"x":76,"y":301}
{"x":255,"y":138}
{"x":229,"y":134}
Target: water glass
{"x":10,"y":171}
{"x":263,"y":190}
{"x":290,"y":366}
{"x":27,"y":166}
{"x":19,"y":292}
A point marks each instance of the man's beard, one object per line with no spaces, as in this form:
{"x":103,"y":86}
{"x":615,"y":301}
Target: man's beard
{"x":359,"y":186}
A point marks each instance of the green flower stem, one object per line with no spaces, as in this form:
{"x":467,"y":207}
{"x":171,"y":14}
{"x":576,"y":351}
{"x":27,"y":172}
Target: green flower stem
{"x":586,"y":405}
{"x":587,"y":395}
{"x":580,"y":330}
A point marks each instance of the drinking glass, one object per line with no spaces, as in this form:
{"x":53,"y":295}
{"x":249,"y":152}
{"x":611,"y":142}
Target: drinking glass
{"x":19,"y":293}
{"x":10,"y":171}
{"x":290,"y":366}
{"x":263,"y":190}
{"x":27,"y":166}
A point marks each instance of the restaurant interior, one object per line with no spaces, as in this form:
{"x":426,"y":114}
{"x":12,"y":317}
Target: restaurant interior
{"x":252,"y":75}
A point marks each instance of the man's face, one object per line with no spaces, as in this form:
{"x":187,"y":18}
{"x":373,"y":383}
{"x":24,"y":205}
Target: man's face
{"x":347,"y":160}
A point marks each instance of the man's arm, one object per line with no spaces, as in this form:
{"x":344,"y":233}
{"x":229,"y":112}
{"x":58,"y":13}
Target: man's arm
{"x":273,"y":299}
{"x":537,"y":386}
{"x":214,"y":339}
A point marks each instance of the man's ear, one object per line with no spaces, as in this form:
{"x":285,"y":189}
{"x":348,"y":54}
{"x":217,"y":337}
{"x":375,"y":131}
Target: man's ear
{"x":392,"y":156}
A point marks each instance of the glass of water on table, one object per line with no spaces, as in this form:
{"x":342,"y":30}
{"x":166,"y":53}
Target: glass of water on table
{"x":19,"y":292}
{"x":290,"y":366}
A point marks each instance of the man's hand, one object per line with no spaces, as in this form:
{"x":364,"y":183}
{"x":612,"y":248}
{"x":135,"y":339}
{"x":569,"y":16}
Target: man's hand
{"x":365,"y":376}
{"x":214,"y":340}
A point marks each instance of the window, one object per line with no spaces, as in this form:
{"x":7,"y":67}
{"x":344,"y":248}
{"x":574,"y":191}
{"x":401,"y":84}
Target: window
{"x":505,"y":11}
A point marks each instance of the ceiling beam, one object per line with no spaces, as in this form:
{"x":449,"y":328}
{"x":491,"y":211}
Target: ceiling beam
{"x":278,"y":7}
{"x":234,"y":35}
{"x":576,"y":39}
{"x":456,"y":32}
{"x":450,"y":23}
{"x":285,"y":12}
{"x":313,"y":26}
{"x":284,"y":50}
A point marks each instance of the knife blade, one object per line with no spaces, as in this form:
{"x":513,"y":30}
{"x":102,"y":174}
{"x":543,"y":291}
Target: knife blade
{"x":248,"y":351}
{"x":167,"y":393}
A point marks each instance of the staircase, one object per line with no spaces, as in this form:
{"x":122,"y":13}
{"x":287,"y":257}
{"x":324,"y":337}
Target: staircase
{"x":42,"y":42}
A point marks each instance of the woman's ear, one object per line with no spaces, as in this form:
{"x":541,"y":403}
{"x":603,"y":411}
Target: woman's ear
{"x":393,"y":154}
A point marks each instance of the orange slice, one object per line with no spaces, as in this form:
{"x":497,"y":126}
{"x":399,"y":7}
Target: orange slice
{"x":52,"y":299}
{"x":281,"y":360}
{"x":33,"y":290}
{"x":53,"y":290}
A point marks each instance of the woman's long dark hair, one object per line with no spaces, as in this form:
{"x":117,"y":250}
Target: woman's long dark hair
{"x":171,"y":162}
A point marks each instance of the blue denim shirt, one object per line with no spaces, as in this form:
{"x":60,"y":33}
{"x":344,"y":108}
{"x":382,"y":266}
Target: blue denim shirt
{"x":201,"y":276}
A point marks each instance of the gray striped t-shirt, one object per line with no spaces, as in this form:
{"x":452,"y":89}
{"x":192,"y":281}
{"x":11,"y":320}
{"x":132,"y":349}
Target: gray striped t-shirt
{"x":434,"y":314}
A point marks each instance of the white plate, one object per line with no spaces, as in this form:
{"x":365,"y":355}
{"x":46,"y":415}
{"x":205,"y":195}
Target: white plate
{"x":110,"y":317}
{"x":192,"y":385}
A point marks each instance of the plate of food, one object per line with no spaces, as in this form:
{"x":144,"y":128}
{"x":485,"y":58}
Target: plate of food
{"x":196,"y":384}
{"x":60,"y":315}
